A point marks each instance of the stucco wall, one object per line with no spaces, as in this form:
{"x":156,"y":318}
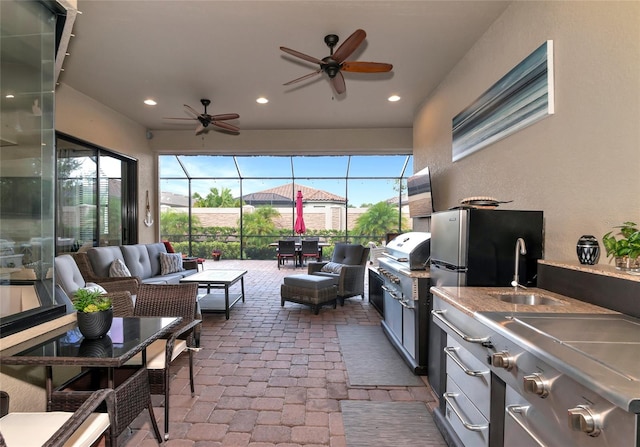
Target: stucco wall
{"x":581,"y":165}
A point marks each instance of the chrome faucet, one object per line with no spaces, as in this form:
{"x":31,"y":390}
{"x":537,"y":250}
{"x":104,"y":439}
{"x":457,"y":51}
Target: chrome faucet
{"x":521,"y":249}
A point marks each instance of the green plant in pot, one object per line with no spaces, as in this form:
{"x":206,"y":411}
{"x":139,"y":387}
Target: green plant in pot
{"x":626,"y":249}
{"x":95,"y":313}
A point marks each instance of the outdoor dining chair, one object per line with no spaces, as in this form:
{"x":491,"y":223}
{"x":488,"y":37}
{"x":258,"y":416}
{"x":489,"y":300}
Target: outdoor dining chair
{"x":167,"y":300}
{"x":82,"y":428}
{"x":309,"y":250}
{"x":286,"y":250}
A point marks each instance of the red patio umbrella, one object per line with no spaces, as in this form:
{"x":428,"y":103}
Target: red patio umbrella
{"x":299,"y":225}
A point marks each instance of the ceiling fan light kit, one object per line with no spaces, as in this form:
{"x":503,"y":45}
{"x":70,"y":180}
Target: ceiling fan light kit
{"x":334,"y":64}
{"x":204,"y":119}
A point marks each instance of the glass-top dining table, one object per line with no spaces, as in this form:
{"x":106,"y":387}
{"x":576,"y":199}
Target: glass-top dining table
{"x":104,"y":363}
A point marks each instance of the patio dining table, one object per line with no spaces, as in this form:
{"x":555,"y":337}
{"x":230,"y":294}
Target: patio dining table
{"x":103,"y":361}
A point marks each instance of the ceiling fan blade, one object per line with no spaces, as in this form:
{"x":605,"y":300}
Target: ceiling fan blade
{"x":303,"y":77}
{"x":338,"y":83}
{"x":349,"y":45}
{"x":306,"y":57}
{"x":226,"y":126}
{"x":172,"y":118}
{"x":190,"y":109}
{"x":224,"y":116}
{"x":200,"y":129}
{"x":366,"y":67}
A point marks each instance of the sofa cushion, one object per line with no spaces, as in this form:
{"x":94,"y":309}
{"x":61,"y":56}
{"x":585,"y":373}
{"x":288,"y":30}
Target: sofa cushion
{"x":93,"y":287}
{"x":315,"y":282}
{"x":118,"y":269}
{"x":154,"y":251}
{"x":68,"y":274}
{"x":137,"y":259}
{"x":331,"y":267}
{"x":102,"y":257}
{"x":350,"y":254}
{"x":170,"y":263}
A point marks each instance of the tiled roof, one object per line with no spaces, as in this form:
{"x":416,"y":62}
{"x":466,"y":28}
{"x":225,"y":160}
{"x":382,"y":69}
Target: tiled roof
{"x":309,"y":194}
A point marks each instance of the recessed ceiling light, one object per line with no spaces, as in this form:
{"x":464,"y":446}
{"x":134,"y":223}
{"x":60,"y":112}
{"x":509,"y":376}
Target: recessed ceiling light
{"x":150,"y":102}
{"x":394,"y":98}
{"x":262,"y":100}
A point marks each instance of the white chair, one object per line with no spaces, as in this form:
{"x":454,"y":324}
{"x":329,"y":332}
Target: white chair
{"x":83,"y":428}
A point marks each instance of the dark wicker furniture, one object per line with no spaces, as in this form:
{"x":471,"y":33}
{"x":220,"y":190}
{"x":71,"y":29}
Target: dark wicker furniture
{"x":72,"y":425}
{"x":169,"y":300}
{"x":66,"y":346}
{"x":286,"y":250}
{"x":314,"y":291}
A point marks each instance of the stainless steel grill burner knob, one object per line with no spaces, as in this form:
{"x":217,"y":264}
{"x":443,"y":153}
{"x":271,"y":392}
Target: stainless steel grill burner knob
{"x":503,"y":360}
{"x":581,"y":418}
{"x":535,"y":384}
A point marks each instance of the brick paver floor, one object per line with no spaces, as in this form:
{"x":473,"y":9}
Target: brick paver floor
{"x":269,"y":376}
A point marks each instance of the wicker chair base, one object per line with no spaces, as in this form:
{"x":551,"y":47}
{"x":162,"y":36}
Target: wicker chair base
{"x":311,"y":297}
{"x":132,"y":394}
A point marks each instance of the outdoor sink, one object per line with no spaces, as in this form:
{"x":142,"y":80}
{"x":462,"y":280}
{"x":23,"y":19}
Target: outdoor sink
{"x":528,"y":298}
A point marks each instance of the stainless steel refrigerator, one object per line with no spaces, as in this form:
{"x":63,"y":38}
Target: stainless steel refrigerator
{"x":476,"y":247}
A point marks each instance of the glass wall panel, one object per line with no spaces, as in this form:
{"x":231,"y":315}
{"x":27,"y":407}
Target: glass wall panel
{"x":27,"y":165}
{"x":243,"y":214}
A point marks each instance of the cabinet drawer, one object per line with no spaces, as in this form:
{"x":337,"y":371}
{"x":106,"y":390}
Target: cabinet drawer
{"x":470,"y":374}
{"x":466,"y":420}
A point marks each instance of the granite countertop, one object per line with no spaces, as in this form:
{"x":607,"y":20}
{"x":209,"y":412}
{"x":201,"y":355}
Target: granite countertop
{"x":598,"y":269}
{"x":477,"y":299}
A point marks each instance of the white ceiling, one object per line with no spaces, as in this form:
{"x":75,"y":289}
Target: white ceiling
{"x":228,"y":51}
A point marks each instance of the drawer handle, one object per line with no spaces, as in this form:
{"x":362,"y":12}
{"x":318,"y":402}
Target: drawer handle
{"x":448,"y":397}
{"x":392,"y":293}
{"x":439,"y":315}
{"x":514,"y":411}
{"x":451,"y":353}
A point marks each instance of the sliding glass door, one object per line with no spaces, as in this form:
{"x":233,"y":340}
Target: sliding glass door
{"x":96,"y":197}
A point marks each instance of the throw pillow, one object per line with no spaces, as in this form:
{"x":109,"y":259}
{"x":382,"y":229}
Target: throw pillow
{"x":93,"y":287}
{"x":331,"y":267}
{"x":118,"y":269}
{"x":170,"y":263}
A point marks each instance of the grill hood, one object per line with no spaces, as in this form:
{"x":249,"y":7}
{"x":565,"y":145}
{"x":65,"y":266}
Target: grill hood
{"x":412,"y":249}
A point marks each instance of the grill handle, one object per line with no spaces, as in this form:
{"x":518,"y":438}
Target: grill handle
{"x":439,"y":315}
{"x":395,"y":258}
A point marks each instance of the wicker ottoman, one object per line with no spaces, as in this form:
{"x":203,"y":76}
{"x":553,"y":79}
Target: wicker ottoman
{"x":312,"y":290}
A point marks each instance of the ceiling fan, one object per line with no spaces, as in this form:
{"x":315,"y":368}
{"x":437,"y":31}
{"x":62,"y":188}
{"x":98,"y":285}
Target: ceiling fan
{"x":204,"y":119}
{"x":333,"y":64}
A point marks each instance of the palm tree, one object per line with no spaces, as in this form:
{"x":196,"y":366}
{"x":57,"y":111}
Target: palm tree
{"x":216,"y":199}
{"x":380,"y":219}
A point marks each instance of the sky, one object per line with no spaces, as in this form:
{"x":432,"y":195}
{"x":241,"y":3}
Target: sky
{"x":371,"y":178}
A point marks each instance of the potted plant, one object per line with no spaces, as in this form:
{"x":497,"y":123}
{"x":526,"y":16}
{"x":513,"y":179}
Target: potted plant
{"x":216,"y":253}
{"x":626,"y":250}
{"x":95,"y":313}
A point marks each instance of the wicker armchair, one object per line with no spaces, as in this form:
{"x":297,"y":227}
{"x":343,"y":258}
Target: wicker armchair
{"x":57,"y":429}
{"x":166,"y":300}
{"x":130,"y":284}
{"x":70,"y":279}
{"x":347,"y":268}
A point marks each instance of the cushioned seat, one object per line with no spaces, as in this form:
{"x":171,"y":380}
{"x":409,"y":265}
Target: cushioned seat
{"x":312,"y":290}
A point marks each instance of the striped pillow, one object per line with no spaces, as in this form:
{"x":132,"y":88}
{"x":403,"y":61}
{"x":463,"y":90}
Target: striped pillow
{"x":170,"y":263}
{"x":118,"y":269}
